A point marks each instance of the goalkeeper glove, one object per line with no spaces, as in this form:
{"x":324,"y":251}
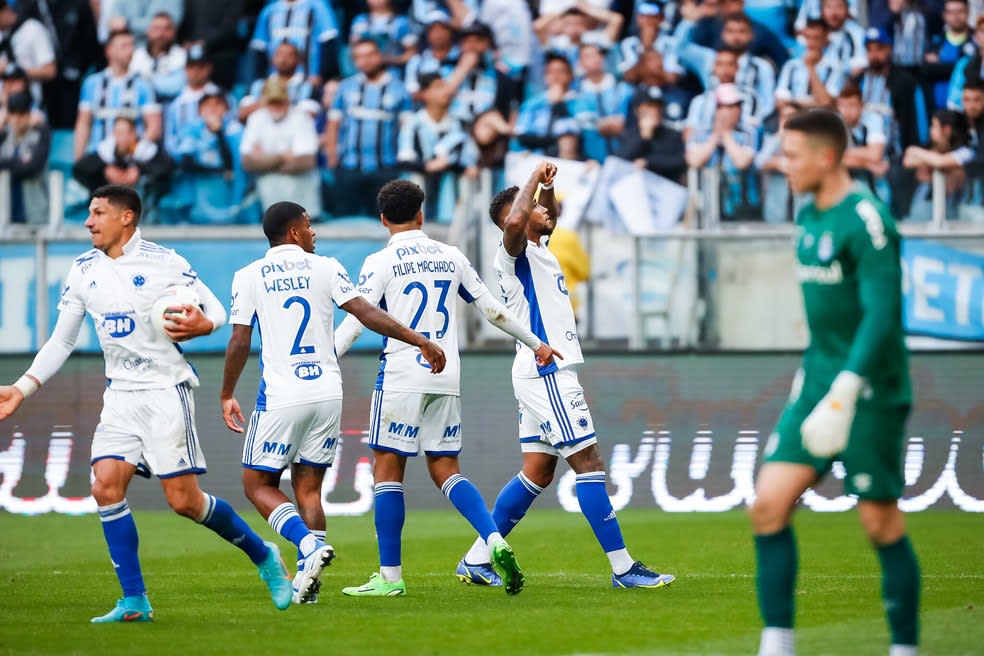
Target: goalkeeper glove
{"x":826,"y":430}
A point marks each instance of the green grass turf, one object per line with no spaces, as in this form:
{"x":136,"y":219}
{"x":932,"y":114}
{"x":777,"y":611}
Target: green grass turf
{"x":55,"y":574}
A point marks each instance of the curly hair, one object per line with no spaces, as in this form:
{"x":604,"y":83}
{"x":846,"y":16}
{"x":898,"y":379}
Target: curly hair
{"x":502,"y":199}
{"x":399,"y":201}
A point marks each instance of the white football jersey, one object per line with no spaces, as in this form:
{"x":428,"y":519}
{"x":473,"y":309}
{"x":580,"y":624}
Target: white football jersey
{"x":118,"y":295}
{"x":288,"y":294}
{"x":533,"y":287}
{"x":417,"y":280}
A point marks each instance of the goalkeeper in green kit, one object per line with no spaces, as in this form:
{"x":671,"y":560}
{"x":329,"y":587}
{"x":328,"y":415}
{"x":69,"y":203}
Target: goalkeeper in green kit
{"x":851,"y":399}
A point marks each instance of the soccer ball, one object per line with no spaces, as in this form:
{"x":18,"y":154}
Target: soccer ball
{"x":174,"y":296}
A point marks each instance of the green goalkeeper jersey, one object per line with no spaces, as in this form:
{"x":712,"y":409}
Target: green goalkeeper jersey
{"x":850,"y":271}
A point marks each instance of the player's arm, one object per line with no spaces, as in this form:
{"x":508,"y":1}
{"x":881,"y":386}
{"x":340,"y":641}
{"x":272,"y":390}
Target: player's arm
{"x":46,"y":363}
{"x":876,"y":250}
{"x":242,"y":310}
{"x":514,"y":227}
{"x":372,"y":284}
{"x":384,"y":323}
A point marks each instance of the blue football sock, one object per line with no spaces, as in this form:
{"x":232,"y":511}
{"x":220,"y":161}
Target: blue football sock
{"x":390,"y":514}
{"x":285,"y":521}
{"x":513,"y":502}
{"x":597,"y":509}
{"x":121,"y":536}
{"x":469,"y":502}
{"x":221,"y":518}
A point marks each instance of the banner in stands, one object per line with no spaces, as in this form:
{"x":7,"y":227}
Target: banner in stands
{"x":215,"y":263}
{"x":944,"y":291}
{"x":680,"y":433}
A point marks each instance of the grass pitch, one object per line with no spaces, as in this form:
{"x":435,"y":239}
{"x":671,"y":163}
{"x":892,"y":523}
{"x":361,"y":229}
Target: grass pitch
{"x":55,"y":574}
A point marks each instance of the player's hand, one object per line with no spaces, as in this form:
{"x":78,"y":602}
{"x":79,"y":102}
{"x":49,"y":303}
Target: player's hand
{"x":548,"y":173}
{"x":546,"y":354}
{"x":192,"y":323}
{"x":826,"y":430}
{"x":232,"y":414}
{"x":434,"y":356}
{"x":10,"y":400}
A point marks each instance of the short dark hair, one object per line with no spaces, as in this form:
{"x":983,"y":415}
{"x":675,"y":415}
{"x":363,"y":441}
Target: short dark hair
{"x":821,"y":124}
{"x":399,"y":201}
{"x":121,"y":196}
{"x":364,"y":41}
{"x":850,"y":90}
{"x":424,"y":80}
{"x":973,"y":85}
{"x":738,"y":17}
{"x":504,"y":198}
{"x":277,"y":220}
{"x":117,"y":33}
{"x":164,"y":14}
{"x":963,"y":2}
{"x":818,"y":23}
{"x":553,"y":55}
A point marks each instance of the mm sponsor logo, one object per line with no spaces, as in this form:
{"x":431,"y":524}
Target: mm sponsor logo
{"x":452,"y":431}
{"x":275,"y":448}
{"x":403,"y":430}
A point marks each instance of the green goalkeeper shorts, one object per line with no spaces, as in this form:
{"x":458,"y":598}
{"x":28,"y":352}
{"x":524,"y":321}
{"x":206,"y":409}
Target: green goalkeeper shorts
{"x":875,"y":450}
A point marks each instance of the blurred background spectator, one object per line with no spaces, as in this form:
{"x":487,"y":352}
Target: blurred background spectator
{"x":547,"y":122}
{"x":651,"y":145}
{"x":285,"y":67}
{"x":135,"y":16}
{"x":26,"y":44}
{"x":308,"y":24}
{"x":392,"y":33}
{"x":813,"y":79}
{"x":214,"y":26}
{"x":24,"y":148}
{"x":948,"y":150}
{"x":160,"y":59}
{"x":363,"y":128}
{"x":121,"y":157}
{"x":601,"y":105}
{"x":280,"y":146}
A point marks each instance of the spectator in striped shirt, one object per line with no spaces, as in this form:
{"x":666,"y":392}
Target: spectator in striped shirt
{"x":651,"y":36}
{"x":547,"y":122}
{"x":363,"y":129}
{"x":440,"y":55}
{"x":812,"y":79}
{"x":435,"y":144}
{"x":865,"y":156}
{"x":845,"y":36}
{"x":946,"y":49}
{"x":969,"y":68}
{"x":161,"y":60}
{"x":703,"y":107}
{"x":565,"y":32}
{"x":286,"y":68}
{"x":310,"y":25}
{"x":908,"y":29}
{"x":391,"y":31}
{"x":114,"y":92}
{"x":601,"y":106}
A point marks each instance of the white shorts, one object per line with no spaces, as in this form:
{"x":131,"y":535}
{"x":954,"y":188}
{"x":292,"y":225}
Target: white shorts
{"x":405,"y":422}
{"x":152,"y":427}
{"x":553,"y":415}
{"x":304,"y":434}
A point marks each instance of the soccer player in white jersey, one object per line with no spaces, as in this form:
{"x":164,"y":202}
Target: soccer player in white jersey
{"x":554,"y":420}
{"x":418,"y":280}
{"x":148,"y":415}
{"x":288,"y":295}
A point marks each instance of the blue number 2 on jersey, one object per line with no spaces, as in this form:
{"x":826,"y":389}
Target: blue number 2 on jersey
{"x":298,"y":348}
{"x":443,"y":287}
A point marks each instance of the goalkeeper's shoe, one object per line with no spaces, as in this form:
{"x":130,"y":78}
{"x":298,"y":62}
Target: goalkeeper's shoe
{"x":307,"y":581}
{"x":128,"y":609}
{"x":504,"y":562}
{"x":274,"y":573}
{"x":482,"y":574}
{"x":640,"y":576}
{"x":376,"y":586}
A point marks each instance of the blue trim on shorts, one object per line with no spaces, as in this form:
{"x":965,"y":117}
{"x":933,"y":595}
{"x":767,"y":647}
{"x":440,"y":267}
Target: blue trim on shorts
{"x":557,"y":403}
{"x":254,"y":420}
{"x":189,"y":422}
{"x":308,"y":463}
{"x":266,"y":469}
{"x":95,"y":460}
{"x":442,"y":453}
{"x":531,"y":438}
{"x":194,"y":470}
{"x":376,"y":447}
{"x":578,"y":440}
{"x":377,"y":403}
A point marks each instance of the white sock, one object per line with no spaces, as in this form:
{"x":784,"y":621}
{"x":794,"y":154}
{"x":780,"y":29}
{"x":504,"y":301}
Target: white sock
{"x":903,"y":650}
{"x":480,"y":553}
{"x":308,"y":544}
{"x":391,"y":574}
{"x":777,"y":642}
{"x":493,"y":538}
{"x":621,"y":561}
{"x":320,"y":535}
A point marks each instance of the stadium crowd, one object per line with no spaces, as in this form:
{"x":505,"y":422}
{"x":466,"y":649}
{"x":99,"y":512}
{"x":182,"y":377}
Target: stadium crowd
{"x":214,"y":109}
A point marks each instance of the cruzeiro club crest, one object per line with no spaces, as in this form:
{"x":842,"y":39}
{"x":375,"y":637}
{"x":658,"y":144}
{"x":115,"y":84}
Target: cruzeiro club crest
{"x":825,"y":247}
{"x":139,"y":280}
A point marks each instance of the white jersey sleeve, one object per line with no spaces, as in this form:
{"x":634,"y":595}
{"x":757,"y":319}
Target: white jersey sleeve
{"x":372,"y":284}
